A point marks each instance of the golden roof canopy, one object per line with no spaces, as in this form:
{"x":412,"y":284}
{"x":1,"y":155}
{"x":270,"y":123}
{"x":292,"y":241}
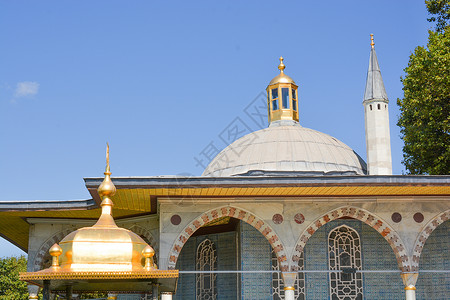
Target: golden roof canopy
{"x":104,"y":246}
{"x":93,"y":256}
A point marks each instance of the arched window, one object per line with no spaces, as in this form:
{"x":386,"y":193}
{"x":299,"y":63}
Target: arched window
{"x":344,"y":251}
{"x":277,"y":281}
{"x":206,"y":260}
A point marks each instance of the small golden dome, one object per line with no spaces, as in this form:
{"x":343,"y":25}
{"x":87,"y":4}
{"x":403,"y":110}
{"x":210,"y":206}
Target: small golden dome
{"x":148,"y":252}
{"x":55,"y":250}
{"x":281,"y":78}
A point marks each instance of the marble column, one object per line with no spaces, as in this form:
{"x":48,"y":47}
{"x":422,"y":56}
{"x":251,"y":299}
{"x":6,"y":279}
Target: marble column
{"x":69,"y":292}
{"x":166,"y":296}
{"x":409,"y":280}
{"x":46,"y":290}
{"x":289,"y":283}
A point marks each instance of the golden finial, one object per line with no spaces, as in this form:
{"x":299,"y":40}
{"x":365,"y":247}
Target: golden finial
{"x":107,"y":187}
{"x":281,"y":66}
{"x":372,"y":43}
{"x":148,"y":253}
{"x":55,"y":251}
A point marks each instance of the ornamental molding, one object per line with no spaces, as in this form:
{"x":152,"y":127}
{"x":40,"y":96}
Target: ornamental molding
{"x":388,"y":233}
{"x":424,"y":235}
{"x":229,"y":211}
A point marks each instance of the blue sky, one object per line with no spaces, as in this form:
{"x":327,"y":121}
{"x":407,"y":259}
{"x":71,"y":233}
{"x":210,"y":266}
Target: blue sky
{"x":161,"y":80}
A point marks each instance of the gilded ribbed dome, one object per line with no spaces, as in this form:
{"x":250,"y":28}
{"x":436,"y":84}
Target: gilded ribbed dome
{"x":286,"y":147}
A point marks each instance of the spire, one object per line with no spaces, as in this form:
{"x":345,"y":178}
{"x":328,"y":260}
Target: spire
{"x":374,"y":85}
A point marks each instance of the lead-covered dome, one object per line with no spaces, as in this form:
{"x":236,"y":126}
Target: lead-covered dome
{"x":286,"y":147}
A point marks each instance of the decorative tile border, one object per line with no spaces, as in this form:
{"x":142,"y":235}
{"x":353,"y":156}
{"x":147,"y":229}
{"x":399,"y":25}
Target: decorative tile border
{"x":424,"y":235}
{"x":365,"y":216}
{"x":233,"y":212}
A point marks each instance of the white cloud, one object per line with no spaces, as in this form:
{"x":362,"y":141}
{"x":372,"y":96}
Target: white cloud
{"x":26,"y":88}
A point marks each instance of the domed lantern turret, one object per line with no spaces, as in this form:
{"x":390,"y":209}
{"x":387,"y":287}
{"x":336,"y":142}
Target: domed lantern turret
{"x":282,"y":97}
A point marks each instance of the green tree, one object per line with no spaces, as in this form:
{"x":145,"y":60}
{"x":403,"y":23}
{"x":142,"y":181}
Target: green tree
{"x":425,"y":107}
{"x":11,"y":288}
{"x":440,"y":9}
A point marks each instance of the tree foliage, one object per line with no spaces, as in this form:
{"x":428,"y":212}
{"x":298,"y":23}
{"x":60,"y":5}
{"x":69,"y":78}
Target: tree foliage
{"x":425,"y":107}
{"x":440,"y":9}
{"x":11,"y":288}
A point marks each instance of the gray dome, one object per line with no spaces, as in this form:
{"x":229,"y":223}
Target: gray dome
{"x":286,"y":147}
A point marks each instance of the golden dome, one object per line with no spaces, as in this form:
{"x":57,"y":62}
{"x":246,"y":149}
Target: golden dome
{"x":281,"y":78}
{"x":104,"y":246}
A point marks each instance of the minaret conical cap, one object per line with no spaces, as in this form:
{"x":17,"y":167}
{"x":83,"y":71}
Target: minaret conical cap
{"x":374,"y":84}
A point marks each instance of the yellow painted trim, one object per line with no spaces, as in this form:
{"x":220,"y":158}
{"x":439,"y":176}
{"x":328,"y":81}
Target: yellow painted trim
{"x":289,"y":288}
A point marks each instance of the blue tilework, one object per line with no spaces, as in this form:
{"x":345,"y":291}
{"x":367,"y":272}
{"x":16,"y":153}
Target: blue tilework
{"x":376,"y":254}
{"x":316,"y":258}
{"x":255,"y":255}
{"x":435,"y":256}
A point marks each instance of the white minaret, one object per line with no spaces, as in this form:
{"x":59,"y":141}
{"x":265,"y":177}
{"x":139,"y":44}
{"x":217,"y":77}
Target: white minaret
{"x":376,"y":113}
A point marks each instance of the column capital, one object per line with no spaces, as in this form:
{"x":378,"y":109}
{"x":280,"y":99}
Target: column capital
{"x":289,"y":280}
{"x":33,"y":291}
{"x":409,"y":279}
{"x":112,"y":296}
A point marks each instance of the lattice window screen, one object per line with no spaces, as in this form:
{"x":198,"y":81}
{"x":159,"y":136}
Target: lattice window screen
{"x":277,"y":281}
{"x":206,"y":260}
{"x":344,"y":251}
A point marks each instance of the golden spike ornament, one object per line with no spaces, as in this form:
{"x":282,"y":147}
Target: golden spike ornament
{"x":372,"y":43}
{"x":107,"y":187}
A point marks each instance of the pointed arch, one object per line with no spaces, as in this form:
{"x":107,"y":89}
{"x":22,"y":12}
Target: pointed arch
{"x":234,"y":212}
{"x":363,"y":215}
{"x":423,"y":237}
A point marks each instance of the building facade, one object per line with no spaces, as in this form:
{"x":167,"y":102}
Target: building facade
{"x":286,"y":212}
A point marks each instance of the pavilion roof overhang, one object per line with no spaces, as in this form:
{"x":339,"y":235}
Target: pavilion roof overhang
{"x":138,"y":195}
{"x":135,"y":192}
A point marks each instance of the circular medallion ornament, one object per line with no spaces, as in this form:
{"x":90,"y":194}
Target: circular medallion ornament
{"x":299,"y":218}
{"x":396,"y":217}
{"x":418,"y":217}
{"x":277,"y":218}
{"x":175,"y":220}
